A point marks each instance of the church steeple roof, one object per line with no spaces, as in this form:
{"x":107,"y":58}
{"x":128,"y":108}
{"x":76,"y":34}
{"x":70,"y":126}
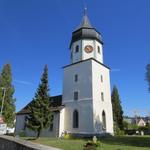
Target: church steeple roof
{"x":85,"y":23}
{"x":85,"y":31}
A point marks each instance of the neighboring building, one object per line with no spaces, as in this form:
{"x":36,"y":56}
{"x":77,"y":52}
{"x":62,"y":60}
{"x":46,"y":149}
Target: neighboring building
{"x":85,"y":107}
{"x":55,"y":127}
{"x":141,"y":123}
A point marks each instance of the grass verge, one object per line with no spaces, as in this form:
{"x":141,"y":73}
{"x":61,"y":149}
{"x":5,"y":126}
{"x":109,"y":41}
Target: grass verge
{"x":111,"y":143}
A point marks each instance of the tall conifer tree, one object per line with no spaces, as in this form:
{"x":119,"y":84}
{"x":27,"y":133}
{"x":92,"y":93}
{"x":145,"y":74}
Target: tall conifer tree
{"x":40,"y":115}
{"x":8,"y":111}
{"x":117,"y":109}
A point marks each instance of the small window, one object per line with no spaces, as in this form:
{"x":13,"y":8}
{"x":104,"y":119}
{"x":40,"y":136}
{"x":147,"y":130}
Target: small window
{"x":77,"y":49}
{"x":101,"y":78}
{"x":75,"y":96}
{"x":98,"y":48}
{"x":76,"y":78}
{"x":51,"y":123}
{"x":102,"y":96}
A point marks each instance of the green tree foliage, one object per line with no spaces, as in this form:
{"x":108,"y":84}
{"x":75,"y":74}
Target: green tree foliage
{"x":9,"y":102}
{"x":117,"y":109}
{"x":125,"y":125}
{"x":40,"y":114}
{"x":148,"y":76}
{"x":130,"y":126}
{"x":148,"y":125}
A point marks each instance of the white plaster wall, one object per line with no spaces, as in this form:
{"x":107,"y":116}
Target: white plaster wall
{"x":98,"y":56}
{"x":88,"y":55}
{"x":20,"y":123}
{"x":85,"y":117}
{"x":76,"y":56}
{"x":61,"y":122}
{"x":89,"y":104}
{"x":82,"y":55}
{"x":98,"y":104}
{"x":84,"y":84}
{"x":84,"y":103}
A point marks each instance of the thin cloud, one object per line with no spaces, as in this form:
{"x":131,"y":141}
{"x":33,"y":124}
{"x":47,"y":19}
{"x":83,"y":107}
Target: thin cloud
{"x":23,"y":82}
{"x":115,"y":70}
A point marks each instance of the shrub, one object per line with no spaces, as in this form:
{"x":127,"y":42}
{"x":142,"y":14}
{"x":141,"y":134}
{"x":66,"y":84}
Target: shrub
{"x":90,"y":145}
{"x":142,"y":128}
{"x":22,"y":133}
{"x":68,"y":136}
{"x":119,"y":132}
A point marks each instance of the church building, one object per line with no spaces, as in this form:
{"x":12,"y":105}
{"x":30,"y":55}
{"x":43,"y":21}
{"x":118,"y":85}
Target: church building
{"x":84,"y":108}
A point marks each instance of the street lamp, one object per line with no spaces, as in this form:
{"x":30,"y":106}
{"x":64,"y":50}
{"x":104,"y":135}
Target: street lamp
{"x":4,"y":92}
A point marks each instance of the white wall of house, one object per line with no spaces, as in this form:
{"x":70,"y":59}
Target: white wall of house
{"x":20,"y":123}
{"x":141,"y":123}
{"x":20,"y":127}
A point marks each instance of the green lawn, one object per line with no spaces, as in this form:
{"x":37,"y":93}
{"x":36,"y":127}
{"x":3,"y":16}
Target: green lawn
{"x":112,"y":143}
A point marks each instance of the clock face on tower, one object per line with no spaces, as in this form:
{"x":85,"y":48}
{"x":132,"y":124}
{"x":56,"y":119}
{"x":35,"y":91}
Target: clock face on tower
{"x":88,"y":48}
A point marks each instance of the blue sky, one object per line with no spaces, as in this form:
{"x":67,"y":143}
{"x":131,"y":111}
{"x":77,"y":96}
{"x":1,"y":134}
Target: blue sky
{"x":38,"y":32}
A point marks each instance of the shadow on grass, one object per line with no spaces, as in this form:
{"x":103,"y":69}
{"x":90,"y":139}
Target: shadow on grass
{"x":128,"y":141}
{"x":31,"y":139}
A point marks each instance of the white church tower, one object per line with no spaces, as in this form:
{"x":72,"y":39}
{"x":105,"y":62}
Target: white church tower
{"x":86,"y":85}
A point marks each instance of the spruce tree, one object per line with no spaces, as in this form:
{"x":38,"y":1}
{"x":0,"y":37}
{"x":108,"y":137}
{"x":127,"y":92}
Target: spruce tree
{"x":148,"y":76}
{"x":117,"y":109}
{"x":8,"y":111}
{"x":39,"y":117}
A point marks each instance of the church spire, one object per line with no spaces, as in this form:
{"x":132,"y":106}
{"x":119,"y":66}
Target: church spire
{"x":85,"y":23}
{"x":85,"y":30}
{"x":85,"y":11}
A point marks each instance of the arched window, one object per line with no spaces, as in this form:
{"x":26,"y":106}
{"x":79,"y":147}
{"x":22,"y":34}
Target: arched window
{"x":77,"y":49}
{"x":104,"y":120}
{"x":75,"y":119}
{"x":98,"y":49}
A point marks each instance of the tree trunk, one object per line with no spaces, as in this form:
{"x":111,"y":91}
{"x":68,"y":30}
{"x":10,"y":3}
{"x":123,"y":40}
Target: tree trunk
{"x":38,"y":134}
